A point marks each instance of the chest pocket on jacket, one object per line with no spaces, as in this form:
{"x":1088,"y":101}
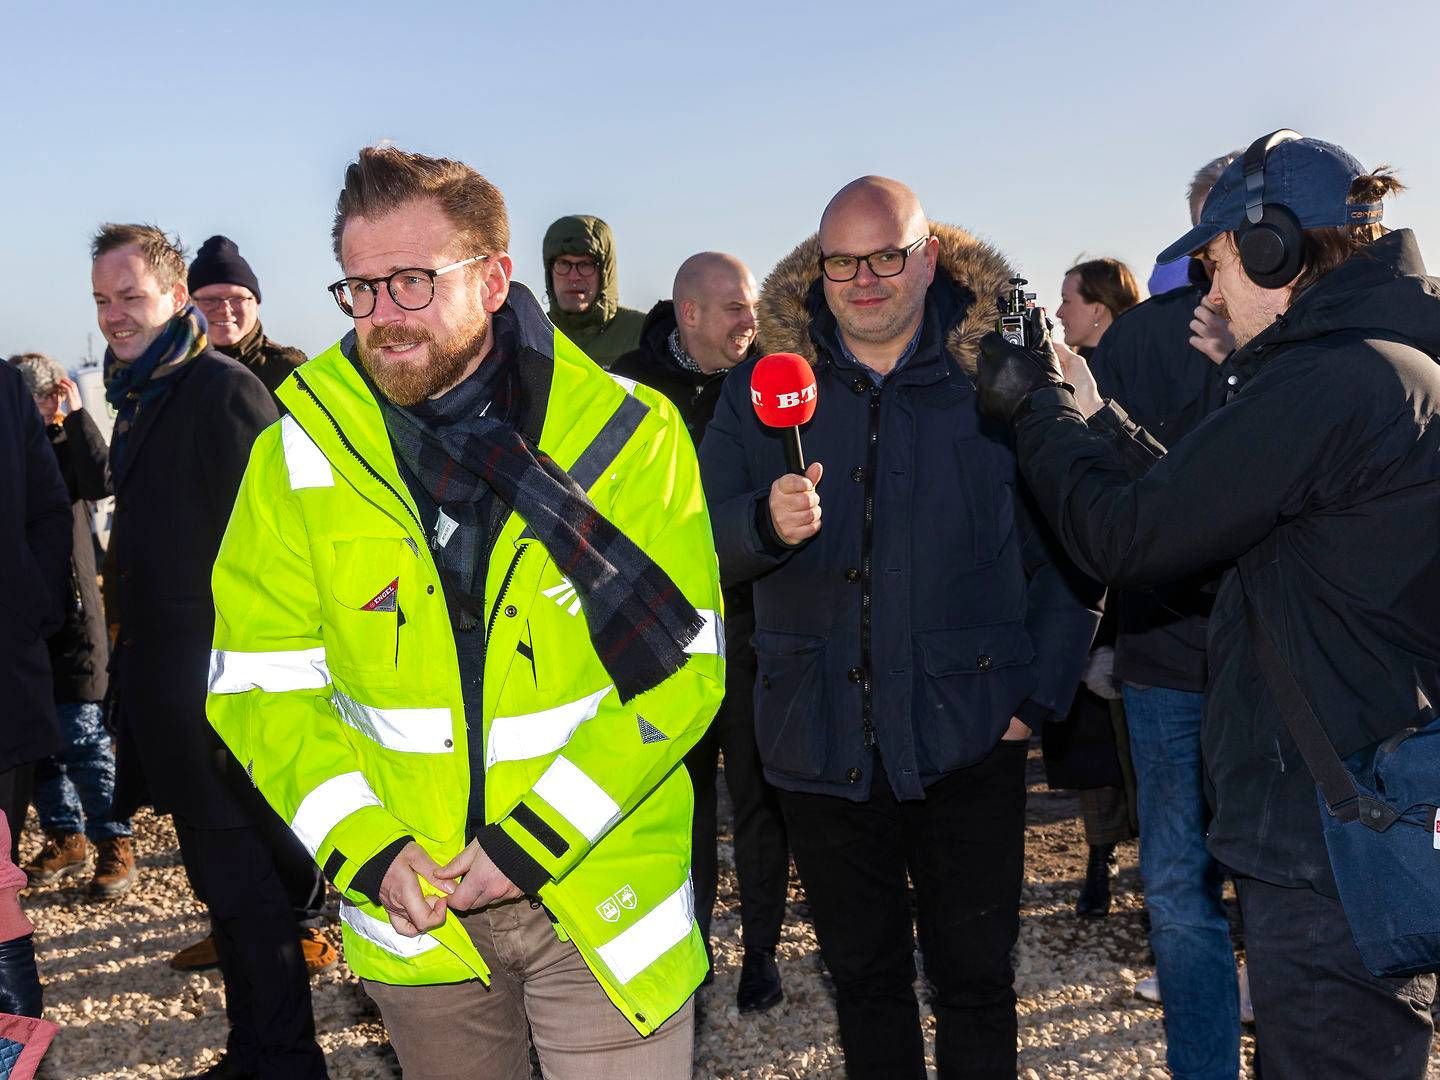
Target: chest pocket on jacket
{"x":362,"y":613}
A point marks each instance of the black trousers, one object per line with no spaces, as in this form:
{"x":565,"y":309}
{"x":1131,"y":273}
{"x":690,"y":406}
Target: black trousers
{"x":762,"y":856}
{"x":267,"y":991}
{"x":963,"y":846}
{"x":1319,"y":1014}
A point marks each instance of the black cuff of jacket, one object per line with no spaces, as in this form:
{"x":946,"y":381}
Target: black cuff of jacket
{"x":1111,"y":418}
{"x":512,"y":860}
{"x":1045,"y":399}
{"x":765,"y":528}
{"x":367,"y":879}
{"x":1033,"y":714}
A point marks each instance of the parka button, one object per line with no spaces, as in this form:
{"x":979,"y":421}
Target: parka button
{"x":858,"y":474}
{"x":430,"y":590}
{"x":852,"y":575}
{"x":852,"y":774}
{"x":449,"y":743}
{"x":765,"y":681}
{"x":855,"y":674}
{"x":859,"y":386}
{"x":983,"y":662}
{"x":511,"y":611}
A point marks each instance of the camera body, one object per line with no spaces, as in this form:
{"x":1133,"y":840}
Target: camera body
{"x":1014,"y":306}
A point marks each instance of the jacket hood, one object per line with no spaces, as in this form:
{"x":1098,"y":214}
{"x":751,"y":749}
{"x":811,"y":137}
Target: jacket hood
{"x":976,"y":273}
{"x":583,"y":234}
{"x":1381,"y":289}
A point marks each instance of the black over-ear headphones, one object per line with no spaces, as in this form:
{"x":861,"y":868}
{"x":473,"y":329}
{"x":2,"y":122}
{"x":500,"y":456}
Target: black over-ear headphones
{"x":1271,"y":242}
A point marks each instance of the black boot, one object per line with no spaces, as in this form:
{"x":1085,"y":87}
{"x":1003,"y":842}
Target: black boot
{"x":759,"y":982}
{"x":1094,"y":901}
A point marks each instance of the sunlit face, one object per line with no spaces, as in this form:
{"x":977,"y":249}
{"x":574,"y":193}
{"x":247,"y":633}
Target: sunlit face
{"x":1249,"y":308}
{"x":717,"y":327}
{"x":1084,"y":320}
{"x":414,"y":355}
{"x":870,"y":309}
{"x":575,"y":281}
{"x":231,"y":312}
{"x":131,"y":307}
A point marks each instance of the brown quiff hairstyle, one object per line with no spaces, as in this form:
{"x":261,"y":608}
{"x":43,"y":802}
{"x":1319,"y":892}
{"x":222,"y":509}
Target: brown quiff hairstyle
{"x":1326,"y":248}
{"x":164,"y":255}
{"x":384,"y":178}
{"x":1108,"y":282}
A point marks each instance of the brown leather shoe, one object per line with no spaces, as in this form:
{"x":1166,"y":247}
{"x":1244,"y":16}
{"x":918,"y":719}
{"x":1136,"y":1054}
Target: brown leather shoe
{"x":198,"y":957}
{"x":319,"y":954}
{"x":64,"y":855}
{"x":115,"y":868}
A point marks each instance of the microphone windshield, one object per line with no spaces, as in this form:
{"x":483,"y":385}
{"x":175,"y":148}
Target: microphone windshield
{"x":782,"y":389}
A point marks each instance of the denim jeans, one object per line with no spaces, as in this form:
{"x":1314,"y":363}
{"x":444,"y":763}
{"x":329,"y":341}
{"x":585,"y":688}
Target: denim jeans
{"x":1194,"y":959}
{"x":80,"y":779}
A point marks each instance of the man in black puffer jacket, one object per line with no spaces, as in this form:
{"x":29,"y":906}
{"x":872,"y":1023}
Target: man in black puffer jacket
{"x":1320,"y":481}
{"x":907,"y":647}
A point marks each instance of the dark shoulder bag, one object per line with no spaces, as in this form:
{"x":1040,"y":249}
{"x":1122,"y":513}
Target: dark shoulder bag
{"x":1380,"y":819}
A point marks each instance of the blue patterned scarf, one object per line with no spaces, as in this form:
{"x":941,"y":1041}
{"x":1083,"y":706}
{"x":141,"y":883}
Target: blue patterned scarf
{"x":135,"y":385}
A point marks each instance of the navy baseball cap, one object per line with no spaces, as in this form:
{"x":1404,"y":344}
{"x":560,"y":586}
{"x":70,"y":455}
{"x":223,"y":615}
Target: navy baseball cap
{"x":1310,"y":177}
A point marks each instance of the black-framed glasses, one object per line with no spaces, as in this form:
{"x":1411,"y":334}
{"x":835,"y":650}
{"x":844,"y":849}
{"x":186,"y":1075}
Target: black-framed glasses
{"x":584,"y":267}
{"x":886,"y":263}
{"x":411,"y":288}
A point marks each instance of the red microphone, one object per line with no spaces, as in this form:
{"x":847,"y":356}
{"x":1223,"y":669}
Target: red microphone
{"x":782,"y":389}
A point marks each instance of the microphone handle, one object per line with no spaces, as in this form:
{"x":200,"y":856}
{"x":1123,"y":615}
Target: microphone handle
{"x":794,"y":455}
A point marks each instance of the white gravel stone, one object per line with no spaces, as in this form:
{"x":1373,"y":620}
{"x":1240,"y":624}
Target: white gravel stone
{"x":124,"y":1014}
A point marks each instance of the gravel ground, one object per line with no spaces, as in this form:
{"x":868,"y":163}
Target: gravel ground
{"x":125,"y":1014}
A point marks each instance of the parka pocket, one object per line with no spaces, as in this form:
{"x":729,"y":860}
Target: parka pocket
{"x":362,"y":611}
{"x":965,"y":672}
{"x":789,"y":703}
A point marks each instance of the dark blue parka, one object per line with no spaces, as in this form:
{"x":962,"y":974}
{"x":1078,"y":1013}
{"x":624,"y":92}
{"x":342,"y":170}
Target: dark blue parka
{"x":928,"y":609}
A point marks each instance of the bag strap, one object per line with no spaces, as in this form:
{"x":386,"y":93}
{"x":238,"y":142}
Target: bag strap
{"x":1337,"y":786}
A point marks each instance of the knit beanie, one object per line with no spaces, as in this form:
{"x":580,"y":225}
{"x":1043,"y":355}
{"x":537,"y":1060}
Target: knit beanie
{"x":219,"y":262}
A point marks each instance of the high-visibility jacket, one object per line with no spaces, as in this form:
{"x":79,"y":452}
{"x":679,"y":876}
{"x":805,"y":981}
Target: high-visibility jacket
{"x":348,"y":713}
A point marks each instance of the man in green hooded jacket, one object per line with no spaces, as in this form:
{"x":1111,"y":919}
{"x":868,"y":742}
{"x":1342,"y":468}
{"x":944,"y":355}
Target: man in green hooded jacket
{"x":583,"y":288}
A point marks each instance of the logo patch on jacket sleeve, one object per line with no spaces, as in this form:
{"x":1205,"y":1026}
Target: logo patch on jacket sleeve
{"x":649,"y":733}
{"x":385,"y":598}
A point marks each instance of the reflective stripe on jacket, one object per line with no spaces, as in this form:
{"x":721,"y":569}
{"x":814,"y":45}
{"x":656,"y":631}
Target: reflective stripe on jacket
{"x":349,"y":714}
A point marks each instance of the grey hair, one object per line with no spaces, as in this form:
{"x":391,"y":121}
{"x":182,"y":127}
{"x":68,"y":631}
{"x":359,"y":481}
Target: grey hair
{"x":42,"y":374}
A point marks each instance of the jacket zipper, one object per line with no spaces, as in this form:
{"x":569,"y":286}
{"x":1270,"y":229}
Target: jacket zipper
{"x":500,"y":596}
{"x":345,"y":442}
{"x":872,"y":454}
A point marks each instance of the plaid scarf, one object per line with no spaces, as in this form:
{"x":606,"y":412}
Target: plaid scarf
{"x":639,"y":620}
{"x":133,"y":385}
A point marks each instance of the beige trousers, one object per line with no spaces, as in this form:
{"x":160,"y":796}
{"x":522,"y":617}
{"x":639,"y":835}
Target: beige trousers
{"x":539,"y":989}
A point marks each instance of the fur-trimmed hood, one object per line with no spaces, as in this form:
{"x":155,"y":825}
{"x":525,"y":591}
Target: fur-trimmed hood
{"x":977,"y":272}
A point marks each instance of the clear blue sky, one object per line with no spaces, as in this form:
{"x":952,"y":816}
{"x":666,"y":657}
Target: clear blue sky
{"x":1050,"y":129}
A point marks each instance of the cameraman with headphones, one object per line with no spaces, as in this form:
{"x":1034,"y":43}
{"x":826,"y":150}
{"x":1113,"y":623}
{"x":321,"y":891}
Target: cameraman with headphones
{"x":1320,"y":480}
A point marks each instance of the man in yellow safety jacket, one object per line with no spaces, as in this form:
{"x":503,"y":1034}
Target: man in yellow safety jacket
{"x":468,"y":621}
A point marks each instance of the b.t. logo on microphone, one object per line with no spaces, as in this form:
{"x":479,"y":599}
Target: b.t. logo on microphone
{"x":792,"y":399}
{"x":782,"y":389}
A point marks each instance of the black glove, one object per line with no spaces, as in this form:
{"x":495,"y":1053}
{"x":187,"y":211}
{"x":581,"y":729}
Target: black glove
{"x":1008,"y":374}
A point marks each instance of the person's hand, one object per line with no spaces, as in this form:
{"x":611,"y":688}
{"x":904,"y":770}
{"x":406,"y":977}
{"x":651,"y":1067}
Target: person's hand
{"x":71,"y":394}
{"x":1076,"y":372}
{"x":411,"y":911}
{"x":1100,"y":674}
{"x":1008,"y":374}
{"x":1017,"y":730}
{"x":1210,"y":333}
{"x":795,"y":505}
{"x":479,"y":882}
